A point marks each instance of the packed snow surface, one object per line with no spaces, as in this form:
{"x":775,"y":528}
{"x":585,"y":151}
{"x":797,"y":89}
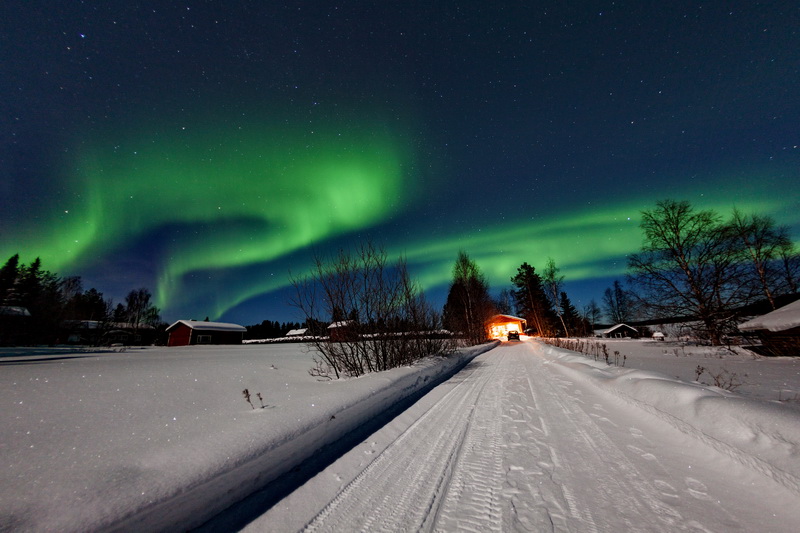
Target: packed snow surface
{"x":525,"y":437}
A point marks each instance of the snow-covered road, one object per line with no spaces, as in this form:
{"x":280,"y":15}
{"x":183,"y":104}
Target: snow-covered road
{"x":519,"y":441}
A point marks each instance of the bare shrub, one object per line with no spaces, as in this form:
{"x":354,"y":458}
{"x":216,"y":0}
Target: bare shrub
{"x":724,"y":379}
{"x":589,"y":348}
{"x":383,"y":319}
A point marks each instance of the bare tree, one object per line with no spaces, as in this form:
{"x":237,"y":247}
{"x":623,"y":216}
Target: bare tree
{"x":689,"y":266}
{"x":790,"y":267}
{"x":468,"y":305}
{"x":505,"y":302}
{"x":592,"y":313}
{"x":382,"y":319}
{"x":139,"y":310}
{"x":552,"y":284}
{"x":763,"y":244}
{"x":617,"y":304}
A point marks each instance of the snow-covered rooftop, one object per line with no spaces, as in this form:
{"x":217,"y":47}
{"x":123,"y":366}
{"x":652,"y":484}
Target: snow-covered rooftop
{"x":13,"y":310}
{"x":296,"y":332}
{"x":208,"y":326}
{"x":612,"y":328}
{"x":341,"y":324}
{"x":509,"y":317}
{"x":783,"y":318}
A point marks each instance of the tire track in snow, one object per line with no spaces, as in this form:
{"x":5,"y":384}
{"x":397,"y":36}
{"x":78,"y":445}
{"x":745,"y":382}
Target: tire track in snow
{"x":403,"y":487}
{"x":518,"y":443}
{"x":619,"y":492}
{"x":473,"y":497}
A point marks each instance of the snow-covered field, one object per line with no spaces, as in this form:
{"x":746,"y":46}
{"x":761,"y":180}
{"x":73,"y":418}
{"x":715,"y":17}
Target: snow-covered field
{"x":767,"y":378}
{"x":525,"y":437}
{"x":161,"y":438}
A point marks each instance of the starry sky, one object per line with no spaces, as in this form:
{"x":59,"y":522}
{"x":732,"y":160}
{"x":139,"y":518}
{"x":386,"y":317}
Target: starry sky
{"x":205,"y":150}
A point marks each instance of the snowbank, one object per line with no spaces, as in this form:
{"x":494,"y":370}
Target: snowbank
{"x":786,"y":317}
{"x":764,"y":435}
{"x":162,"y":439}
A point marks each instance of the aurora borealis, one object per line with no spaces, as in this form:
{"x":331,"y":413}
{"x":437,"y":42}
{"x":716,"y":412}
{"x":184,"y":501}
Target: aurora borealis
{"x":206,"y":150}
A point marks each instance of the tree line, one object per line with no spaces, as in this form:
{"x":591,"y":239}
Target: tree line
{"x":38,"y":306}
{"x":379,"y":317}
{"x":268,"y":329}
{"x":698,"y":265}
{"x":538,"y":298}
{"x":694,"y":265}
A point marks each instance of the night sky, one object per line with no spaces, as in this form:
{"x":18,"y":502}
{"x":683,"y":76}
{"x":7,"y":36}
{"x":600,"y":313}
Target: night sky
{"x":206,"y":149}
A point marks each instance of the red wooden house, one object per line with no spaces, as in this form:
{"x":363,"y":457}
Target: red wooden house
{"x":187,"y":332}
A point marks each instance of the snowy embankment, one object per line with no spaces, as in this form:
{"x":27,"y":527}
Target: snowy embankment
{"x":764,"y":435}
{"x":162,"y":439}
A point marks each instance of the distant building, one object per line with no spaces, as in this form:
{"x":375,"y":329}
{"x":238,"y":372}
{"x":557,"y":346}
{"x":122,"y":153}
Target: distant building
{"x":96,"y":332}
{"x":15,"y":324}
{"x":189,"y":332}
{"x":779,"y":330}
{"x":13,"y":310}
{"x":620,"y":331}
{"x":302,"y":332}
{"x":499,"y":325}
{"x":343,"y":331}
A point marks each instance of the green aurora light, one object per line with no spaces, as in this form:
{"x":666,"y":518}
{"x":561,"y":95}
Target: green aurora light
{"x":586,"y":244}
{"x":290,"y":188}
{"x":225,"y":201}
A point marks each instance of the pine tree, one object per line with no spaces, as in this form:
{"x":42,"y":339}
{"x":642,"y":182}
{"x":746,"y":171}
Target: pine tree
{"x":570,"y":314}
{"x":532,"y":303}
{"x":8,"y":278}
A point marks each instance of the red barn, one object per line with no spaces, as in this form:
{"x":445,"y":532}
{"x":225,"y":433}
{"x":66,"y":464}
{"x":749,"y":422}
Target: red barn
{"x":186,"y":332}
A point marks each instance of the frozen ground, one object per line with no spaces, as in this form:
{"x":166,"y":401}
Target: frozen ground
{"x":526,"y":437}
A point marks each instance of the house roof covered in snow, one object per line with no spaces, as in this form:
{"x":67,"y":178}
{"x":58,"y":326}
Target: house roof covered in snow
{"x":781,"y":319}
{"x":296,"y":332}
{"x":511,"y":318}
{"x":341,"y":324}
{"x":13,"y":310}
{"x":618,"y":326}
{"x":202,"y":325}
{"x":612,"y":328}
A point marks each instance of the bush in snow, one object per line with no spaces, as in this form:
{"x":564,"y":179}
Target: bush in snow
{"x":380,"y":316}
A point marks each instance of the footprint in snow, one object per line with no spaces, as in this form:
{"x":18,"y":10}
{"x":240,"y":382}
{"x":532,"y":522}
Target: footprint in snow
{"x":602,"y":419}
{"x":697,"y":488}
{"x":666,"y":489}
